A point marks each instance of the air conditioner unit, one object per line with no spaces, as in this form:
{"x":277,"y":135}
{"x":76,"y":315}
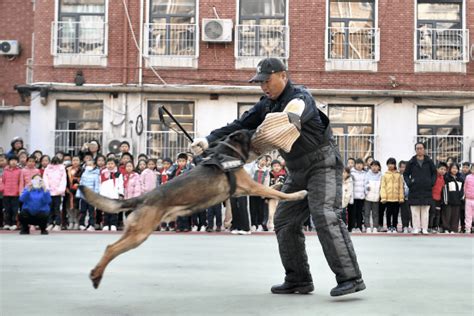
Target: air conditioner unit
{"x":114,"y":145}
{"x":8,"y":47}
{"x":217,"y":30}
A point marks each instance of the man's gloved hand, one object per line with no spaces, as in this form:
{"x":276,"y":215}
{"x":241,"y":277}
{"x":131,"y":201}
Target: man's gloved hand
{"x":199,"y":145}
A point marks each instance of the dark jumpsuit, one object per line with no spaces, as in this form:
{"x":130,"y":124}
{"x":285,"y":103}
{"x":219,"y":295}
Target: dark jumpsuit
{"x":314,"y":164}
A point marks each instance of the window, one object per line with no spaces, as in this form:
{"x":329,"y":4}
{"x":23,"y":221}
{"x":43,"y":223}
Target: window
{"x":167,"y":140}
{"x":77,"y":122}
{"x":439,"y":34}
{"x":79,"y":115}
{"x":440,"y":129}
{"x":262,"y":30}
{"x":353,"y":128}
{"x":80,"y":28}
{"x":172,"y":30}
{"x":352,"y":33}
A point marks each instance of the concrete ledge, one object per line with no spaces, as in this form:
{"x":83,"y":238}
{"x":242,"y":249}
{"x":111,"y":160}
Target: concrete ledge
{"x":351,"y":65}
{"x":440,"y":66}
{"x":237,"y":90}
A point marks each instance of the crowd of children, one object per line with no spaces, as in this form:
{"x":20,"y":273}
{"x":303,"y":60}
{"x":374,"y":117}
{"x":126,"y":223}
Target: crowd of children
{"x":372,"y":202}
{"x":42,"y":191}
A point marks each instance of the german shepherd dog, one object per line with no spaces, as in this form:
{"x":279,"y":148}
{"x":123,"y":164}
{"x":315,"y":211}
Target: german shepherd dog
{"x":201,"y":188}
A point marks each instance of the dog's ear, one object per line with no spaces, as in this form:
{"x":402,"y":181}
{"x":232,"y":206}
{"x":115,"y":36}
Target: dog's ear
{"x":238,"y":136}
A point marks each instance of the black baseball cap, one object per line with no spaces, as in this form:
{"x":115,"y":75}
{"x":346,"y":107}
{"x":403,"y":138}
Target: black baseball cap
{"x":266,"y":67}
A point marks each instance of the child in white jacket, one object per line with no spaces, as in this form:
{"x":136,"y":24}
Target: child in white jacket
{"x":372,"y":197}
{"x":356,"y":215}
{"x":111,"y":186}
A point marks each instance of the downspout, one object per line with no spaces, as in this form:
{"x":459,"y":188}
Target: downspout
{"x":140,"y":69}
{"x":125,"y":49}
{"x":140,"y":53}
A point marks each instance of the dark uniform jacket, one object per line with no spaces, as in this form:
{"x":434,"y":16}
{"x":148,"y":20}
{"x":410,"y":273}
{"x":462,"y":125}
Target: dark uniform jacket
{"x":315,"y":131}
{"x":420,"y":181}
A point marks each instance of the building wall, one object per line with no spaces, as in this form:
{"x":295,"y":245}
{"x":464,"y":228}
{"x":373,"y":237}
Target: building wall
{"x":13,"y":68}
{"x":13,"y":124}
{"x":395,"y":124}
{"x":216,"y":61}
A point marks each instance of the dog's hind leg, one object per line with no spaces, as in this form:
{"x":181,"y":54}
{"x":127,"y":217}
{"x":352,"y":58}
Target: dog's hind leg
{"x":247,"y":186}
{"x":140,"y":224}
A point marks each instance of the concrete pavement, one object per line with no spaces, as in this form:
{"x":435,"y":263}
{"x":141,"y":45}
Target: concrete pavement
{"x":210,"y":274}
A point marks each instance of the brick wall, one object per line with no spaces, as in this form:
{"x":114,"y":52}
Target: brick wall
{"x":307,"y":19}
{"x":13,"y":70}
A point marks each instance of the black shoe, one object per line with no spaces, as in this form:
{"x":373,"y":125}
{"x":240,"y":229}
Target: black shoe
{"x":24,"y":232}
{"x":290,"y":288}
{"x":218,"y":229}
{"x":44,"y":232}
{"x":209,"y":229}
{"x":348,"y":287}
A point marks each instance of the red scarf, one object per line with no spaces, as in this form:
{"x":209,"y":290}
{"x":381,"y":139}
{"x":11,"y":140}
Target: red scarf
{"x":164,"y":176}
{"x":282,"y":172}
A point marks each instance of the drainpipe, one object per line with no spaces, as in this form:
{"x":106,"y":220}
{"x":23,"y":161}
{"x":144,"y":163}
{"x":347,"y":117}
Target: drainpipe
{"x":125,"y":49}
{"x":140,"y":53}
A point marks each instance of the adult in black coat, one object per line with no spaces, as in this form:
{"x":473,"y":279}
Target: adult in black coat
{"x":420,"y":176}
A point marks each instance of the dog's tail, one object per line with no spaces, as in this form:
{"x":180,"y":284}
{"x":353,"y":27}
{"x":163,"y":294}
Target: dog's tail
{"x":105,"y":204}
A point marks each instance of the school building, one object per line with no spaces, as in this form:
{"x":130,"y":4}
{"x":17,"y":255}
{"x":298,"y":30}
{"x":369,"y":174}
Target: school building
{"x":387,"y":73}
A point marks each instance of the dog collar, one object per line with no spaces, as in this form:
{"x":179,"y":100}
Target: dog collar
{"x":236,"y":150}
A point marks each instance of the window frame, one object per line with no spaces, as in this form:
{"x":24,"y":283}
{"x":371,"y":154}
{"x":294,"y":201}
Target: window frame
{"x":168,"y":102}
{"x":167,"y":18}
{"x":169,"y":135}
{"x":418,"y":22}
{"x":345,"y":125}
{"x":99,"y":120}
{"x":435,"y":127}
{"x":58,"y":18}
{"x":346,"y":21}
{"x":240,"y":19}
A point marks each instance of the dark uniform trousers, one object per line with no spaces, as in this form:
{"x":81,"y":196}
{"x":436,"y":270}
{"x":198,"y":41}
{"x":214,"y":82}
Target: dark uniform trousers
{"x":322,"y":178}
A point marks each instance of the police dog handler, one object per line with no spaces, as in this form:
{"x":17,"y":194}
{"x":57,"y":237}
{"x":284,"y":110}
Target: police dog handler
{"x":315,"y":164}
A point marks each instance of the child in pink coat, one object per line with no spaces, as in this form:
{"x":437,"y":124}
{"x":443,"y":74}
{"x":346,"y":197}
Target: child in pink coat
{"x":149,"y":176}
{"x":469,"y":197}
{"x":132,"y":182}
{"x":11,"y":192}
{"x":55,"y":180}
{"x":28,"y":172}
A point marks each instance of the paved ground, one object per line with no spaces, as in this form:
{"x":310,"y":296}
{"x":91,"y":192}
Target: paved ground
{"x":208,"y":274}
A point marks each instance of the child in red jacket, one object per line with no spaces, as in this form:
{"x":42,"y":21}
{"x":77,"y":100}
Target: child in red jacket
{"x":435,"y":210}
{"x":11,"y":192}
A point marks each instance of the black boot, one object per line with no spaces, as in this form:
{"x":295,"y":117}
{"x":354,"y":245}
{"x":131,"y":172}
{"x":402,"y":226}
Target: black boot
{"x":348,"y":287}
{"x":290,"y":288}
{"x":25,"y":230}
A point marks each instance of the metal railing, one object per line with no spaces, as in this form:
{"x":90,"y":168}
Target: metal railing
{"x":71,"y":141}
{"x":87,"y":38}
{"x":355,"y":146}
{"x":440,"y":147}
{"x":165,"y":144}
{"x":165,"y":39}
{"x":442,"y":44}
{"x":262,"y":41}
{"x":352,"y":43}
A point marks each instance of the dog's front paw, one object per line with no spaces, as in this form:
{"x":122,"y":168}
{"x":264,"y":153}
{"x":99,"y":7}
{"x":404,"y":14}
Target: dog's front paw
{"x":303,"y":194}
{"x":95,"y":278}
{"x":299,"y":195}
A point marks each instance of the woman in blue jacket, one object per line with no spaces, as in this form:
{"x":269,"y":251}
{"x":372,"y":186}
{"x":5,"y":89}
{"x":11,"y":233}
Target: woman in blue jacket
{"x":36,"y":206}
